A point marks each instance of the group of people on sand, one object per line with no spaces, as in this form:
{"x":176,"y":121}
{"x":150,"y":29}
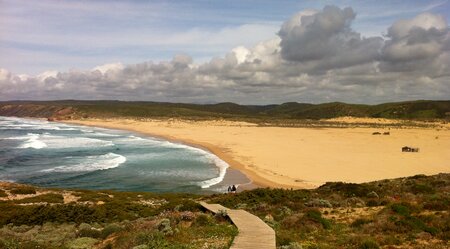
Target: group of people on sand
{"x":232,"y":189}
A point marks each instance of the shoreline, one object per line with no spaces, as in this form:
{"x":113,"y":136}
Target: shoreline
{"x":301,"y":158}
{"x":256,"y":181}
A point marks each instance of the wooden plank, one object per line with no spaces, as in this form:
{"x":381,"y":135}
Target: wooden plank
{"x":253,"y":232}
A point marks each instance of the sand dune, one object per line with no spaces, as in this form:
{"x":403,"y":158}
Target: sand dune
{"x":305,"y":157}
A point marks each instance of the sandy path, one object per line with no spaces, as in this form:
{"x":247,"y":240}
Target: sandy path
{"x":305,"y":157}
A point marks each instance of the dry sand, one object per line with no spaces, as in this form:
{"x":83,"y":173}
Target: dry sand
{"x":305,"y":157}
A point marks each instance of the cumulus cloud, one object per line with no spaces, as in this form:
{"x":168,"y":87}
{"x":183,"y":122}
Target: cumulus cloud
{"x":418,"y":45}
{"x":326,"y":39}
{"x":316,"y":57}
{"x":109,"y":67}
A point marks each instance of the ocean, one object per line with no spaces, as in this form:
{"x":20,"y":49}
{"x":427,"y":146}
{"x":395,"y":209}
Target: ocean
{"x":51,"y":154}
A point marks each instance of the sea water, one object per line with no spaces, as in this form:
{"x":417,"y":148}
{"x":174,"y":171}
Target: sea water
{"x":52,"y":154}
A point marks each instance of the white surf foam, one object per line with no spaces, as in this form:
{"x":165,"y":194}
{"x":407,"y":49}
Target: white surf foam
{"x":101,"y":134}
{"x":222,"y":165}
{"x":136,"y":138}
{"x":32,"y":142}
{"x":37,"y":141}
{"x":92,"y":163}
{"x":34,"y":127}
{"x":61,"y":142}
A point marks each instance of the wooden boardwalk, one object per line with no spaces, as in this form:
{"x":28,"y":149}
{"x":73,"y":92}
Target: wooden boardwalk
{"x":253,"y":232}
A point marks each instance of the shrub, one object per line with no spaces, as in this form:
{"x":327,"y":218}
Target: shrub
{"x":23,"y":190}
{"x":46,"y":198}
{"x":82,"y":243}
{"x":373,"y":194}
{"x":360,"y":222}
{"x":203,"y":220}
{"x":140,"y":247}
{"x":437,"y":203}
{"x":158,"y":241}
{"x":284,"y":238}
{"x":315,"y":215}
{"x":292,"y":245}
{"x":402,"y":209}
{"x":110,"y":229}
{"x":85,"y":230}
{"x":187,"y":215}
{"x":222,"y":214}
{"x":422,"y":189}
{"x":369,"y":244}
{"x":318,"y":203}
{"x":372,"y":203}
{"x":164,"y":227}
{"x":143,"y":238}
{"x":3,"y":193}
{"x":9,"y":243}
{"x":347,"y":189}
{"x":180,"y":205}
{"x":420,"y":176}
{"x":409,"y":223}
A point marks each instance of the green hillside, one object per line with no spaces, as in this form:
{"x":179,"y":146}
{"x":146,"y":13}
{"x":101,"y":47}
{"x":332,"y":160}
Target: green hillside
{"x":422,"y":110}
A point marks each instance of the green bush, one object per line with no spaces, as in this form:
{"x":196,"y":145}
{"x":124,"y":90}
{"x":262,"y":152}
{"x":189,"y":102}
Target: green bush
{"x":402,"y":209}
{"x":369,"y":244}
{"x":46,"y":198}
{"x":422,"y":189}
{"x":87,"y":195}
{"x":284,"y":238}
{"x":164,"y":227}
{"x":360,"y":222}
{"x":372,"y":203}
{"x":181,"y":205}
{"x":346,"y":189}
{"x":419,"y":176}
{"x":315,"y":215}
{"x":110,"y":229}
{"x":82,"y":243}
{"x":86,"y":230}
{"x":23,"y":190}
{"x":437,"y":203}
{"x":203,"y":220}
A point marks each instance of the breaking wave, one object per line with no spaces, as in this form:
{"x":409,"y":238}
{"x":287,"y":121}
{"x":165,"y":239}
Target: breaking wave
{"x":92,"y":163}
{"x":32,"y":142}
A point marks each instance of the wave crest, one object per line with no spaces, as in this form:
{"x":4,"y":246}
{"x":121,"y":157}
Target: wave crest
{"x":33,"y":142}
{"x":92,"y":163}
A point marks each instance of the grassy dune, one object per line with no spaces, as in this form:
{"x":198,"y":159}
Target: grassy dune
{"x":408,"y":212}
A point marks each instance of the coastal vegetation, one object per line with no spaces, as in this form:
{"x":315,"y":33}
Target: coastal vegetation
{"x":411,"y":212}
{"x":272,"y":114}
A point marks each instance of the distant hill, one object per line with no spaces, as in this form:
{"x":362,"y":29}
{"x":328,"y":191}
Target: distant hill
{"x":67,"y":109}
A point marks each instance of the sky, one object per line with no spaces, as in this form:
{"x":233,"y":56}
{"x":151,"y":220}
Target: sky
{"x":245,"y":51}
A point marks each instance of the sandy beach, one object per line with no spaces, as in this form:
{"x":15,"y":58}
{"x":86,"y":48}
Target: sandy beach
{"x":304,"y":157}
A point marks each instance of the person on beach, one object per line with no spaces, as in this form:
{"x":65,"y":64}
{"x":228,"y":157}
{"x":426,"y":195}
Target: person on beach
{"x":229,"y":189}
{"x":233,"y":189}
